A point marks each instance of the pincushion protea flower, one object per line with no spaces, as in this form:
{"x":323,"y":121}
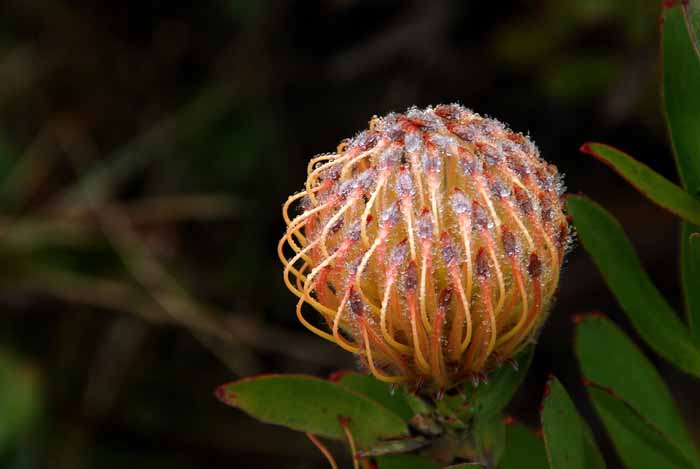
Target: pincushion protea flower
{"x":430,"y":244}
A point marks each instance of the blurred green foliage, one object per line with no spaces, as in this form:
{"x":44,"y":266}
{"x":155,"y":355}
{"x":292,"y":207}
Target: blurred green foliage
{"x":137,"y":110}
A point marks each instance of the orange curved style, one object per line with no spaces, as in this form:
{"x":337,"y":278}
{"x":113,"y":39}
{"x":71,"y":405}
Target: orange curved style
{"x":430,"y":245}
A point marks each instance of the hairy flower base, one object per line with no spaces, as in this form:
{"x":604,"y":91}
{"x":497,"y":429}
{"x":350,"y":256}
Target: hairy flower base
{"x":430,"y":244}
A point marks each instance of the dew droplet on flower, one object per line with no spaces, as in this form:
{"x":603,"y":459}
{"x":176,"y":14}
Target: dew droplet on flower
{"x":429,"y":215}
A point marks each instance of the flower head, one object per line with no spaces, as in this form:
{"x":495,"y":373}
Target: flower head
{"x":430,"y":244}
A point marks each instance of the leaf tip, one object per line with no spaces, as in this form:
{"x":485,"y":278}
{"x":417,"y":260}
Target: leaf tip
{"x":586,"y":148}
{"x":578,"y":318}
{"x":224,"y":396}
{"x":578,"y":195}
{"x":547,"y":390}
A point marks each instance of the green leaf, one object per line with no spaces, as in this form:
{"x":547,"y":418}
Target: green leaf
{"x":650,"y":183}
{"x":405,"y":461}
{"x":418,"y":405}
{"x":393,"y":399}
{"x":690,"y":261}
{"x":609,"y":358}
{"x":563,"y":433}
{"x":490,"y":438}
{"x":691,"y":12}
{"x":690,"y":269}
{"x":657,"y":323}
{"x":523,"y":450}
{"x":396,"y":446}
{"x":309,"y":404}
{"x":492,"y":397}
{"x":681,"y":75}
{"x":639,"y":444}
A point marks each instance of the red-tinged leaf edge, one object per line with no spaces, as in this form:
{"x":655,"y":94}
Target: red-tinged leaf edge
{"x":653,"y":318}
{"x":694,"y":217}
{"x":694,"y":39}
{"x":230,"y":399}
{"x":592,"y":384}
{"x":392,"y":424}
{"x":573,"y":445}
{"x":690,"y":250}
{"x":678,"y":79}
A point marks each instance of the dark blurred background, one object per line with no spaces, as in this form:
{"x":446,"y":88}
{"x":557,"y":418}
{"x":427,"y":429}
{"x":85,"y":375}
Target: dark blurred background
{"x":146,"y":148}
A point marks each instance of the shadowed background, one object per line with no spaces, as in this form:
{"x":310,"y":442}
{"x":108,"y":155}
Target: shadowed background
{"x":146,"y":149}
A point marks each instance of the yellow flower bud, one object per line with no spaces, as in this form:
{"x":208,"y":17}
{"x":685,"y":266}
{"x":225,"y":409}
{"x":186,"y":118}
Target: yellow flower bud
{"x":430,"y":244}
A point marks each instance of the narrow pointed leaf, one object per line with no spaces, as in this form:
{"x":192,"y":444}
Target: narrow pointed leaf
{"x":681,"y":66}
{"x":681,"y":75}
{"x":608,"y":357}
{"x":563,"y":433}
{"x":492,"y":397}
{"x":308,"y":404}
{"x":405,"y":461}
{"x":523,"y":450}
{"x":690,"y":260}
{"x":691,"y":12}
{"x":393,"y":399}
{"x":657,"y":323}
{"x":396,"y":446}
{"x":690,"y":269}
{"x":650,"y":183}
{"x":639,"y":444}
